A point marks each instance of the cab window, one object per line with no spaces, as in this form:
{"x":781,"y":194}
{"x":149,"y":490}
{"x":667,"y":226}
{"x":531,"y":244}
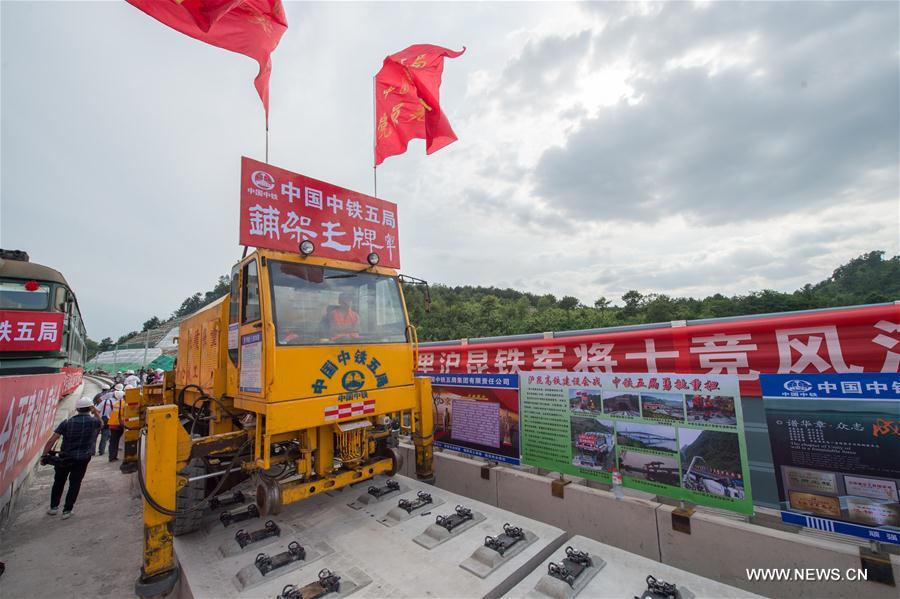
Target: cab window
{"x":14,"y":295}
{"x":314,"y":305}
{"x":234,"y":308}
{"x":250,"y":295}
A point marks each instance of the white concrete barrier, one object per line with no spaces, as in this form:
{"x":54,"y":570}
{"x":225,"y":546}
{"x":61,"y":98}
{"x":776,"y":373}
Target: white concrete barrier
{"x":719,"y":547}
{"x":723,"y":549}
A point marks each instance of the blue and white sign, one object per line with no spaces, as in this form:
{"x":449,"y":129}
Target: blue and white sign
{"x":862,"y":385}
{"x":835,"y":444}
{"x":828,"y":525}
{"x":251,"y":363}
{"x":493,"y":381}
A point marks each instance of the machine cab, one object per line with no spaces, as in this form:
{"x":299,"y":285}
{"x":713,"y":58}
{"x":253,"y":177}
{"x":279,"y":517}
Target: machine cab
{"x":306,"y":327}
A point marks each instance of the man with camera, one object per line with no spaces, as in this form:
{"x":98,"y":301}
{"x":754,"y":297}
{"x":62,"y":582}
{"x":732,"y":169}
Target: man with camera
{"x":79,"y":434}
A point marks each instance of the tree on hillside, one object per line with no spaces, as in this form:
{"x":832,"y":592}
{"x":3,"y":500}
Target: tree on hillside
{"x":152,"y":323}
{"x":194,"y":302}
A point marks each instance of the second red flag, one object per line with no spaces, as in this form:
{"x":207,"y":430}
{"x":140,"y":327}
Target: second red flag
{"x":407,"y":101}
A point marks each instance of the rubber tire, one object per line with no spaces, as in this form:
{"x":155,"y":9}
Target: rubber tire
{"x":190,"y":495}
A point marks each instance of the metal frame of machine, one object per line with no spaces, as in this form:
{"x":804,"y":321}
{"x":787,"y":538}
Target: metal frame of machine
{"x":316,"y":417}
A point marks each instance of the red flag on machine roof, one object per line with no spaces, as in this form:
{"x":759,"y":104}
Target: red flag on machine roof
{"x":407,"y":101}
{"x":249,"y":27}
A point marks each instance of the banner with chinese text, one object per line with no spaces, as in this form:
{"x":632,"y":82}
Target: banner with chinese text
{"x":860,"y":339}
{"x":279,"y":209}
{"x":836,"y":450}
{"x":680,"y":436}
{"x":30,"y":331}
{"x":477,"y":415}
{"x":27,"y":409}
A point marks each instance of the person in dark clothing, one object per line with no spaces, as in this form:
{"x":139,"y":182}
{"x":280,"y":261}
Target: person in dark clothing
{"x":79,"y":434}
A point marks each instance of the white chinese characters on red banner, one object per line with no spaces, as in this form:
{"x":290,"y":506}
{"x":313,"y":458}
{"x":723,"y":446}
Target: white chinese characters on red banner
{"x":865,"y":339}
{"x":280,"y":209}
{"x":27,"y":408}
{"x":30,"y":331}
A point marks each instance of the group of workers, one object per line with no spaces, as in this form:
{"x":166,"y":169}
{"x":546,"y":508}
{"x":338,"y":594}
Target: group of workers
{"x":101,"y":417}
{"x":144,"y":376}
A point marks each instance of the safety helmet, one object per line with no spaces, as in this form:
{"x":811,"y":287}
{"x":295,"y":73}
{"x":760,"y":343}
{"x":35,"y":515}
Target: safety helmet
{"x":119,"y":394}
{"x":129,"y":372}
{"x":119,"y":386}
{"x":130,"y":387}
{"x":160,"y":370}
{"x":84,"y":402}
{"x":105,"y":388}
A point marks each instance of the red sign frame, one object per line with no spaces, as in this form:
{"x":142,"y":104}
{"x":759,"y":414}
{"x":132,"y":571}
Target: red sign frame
{"x":280,"y":209}
{"x":22,"y":330}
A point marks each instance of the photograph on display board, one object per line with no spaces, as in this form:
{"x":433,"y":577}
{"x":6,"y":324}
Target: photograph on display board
{"x":711,"y":409}
{"x":621,"y":405}
{"x":640,"y":432}
{"x":657,"y":437}
{"x":478,"y":420}
{"x":872,"y":512}
{"x":585,"y":401}
{"x":650,"y":467}
{"x":666,"y":407}
{"x":593,"y":443}
{"x":711,"y":462}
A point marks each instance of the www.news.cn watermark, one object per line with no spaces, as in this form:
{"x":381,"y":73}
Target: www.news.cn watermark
{"x":806,"y":574}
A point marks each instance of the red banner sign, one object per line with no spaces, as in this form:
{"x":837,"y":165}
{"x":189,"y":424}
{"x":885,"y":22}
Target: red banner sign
{"x":30,"y":331}
{"x":27,"y":409}
{"x":279,"y":209}
{"x":74,"y":376}
{"x":864,"y":339}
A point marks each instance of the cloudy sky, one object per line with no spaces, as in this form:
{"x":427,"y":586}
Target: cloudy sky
{"x":677,"y":148}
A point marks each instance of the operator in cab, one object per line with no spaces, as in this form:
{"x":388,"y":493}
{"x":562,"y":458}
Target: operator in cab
{"x":343,"y":321}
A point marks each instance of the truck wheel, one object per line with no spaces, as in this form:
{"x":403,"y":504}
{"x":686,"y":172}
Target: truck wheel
{"x":190,"y":495}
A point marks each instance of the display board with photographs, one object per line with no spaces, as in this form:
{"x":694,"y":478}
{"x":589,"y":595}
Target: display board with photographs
{"x":477,"y":414}
{"x":836,"y":451}
{"x":680,"y":436}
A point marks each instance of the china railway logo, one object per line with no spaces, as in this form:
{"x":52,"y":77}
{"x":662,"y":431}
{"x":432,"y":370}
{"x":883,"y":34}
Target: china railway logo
{"x":353,"y":380}
{"x":797,"y":386}
{"x":262,"y":180}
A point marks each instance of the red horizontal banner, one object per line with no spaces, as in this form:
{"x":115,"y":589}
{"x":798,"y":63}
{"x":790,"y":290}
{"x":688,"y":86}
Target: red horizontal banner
{"x":279,"y":209}
{"x":27,"y":409}
{"x":864,"y":339}
{"x":30,"y":331}
{"x":74,"y":377}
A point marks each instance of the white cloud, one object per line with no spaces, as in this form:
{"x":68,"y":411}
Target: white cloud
{"x":121,"y":142}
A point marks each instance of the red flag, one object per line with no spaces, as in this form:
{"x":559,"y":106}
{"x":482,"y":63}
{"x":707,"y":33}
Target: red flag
{"x":249,"y":27}
{"x":407,"y":101}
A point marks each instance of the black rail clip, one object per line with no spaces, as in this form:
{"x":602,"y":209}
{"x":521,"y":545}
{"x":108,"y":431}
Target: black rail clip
{"x":389,"y":487}
{"x":327,"y":583}
{"x":450,"y":522}
{"x":244,"y":538}
{"x":266,"y":563}
{"x":225,"y":501}
{"x":509,"y":537}
{"x":571,"y":567}
{"x":229,"y":518}
{"x":659,"y":589}
{"x":422,"y":498}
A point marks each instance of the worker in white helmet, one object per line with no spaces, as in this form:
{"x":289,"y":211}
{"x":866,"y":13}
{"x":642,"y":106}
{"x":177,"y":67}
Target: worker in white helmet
{"x":79,"y":434}
{"x":132,"y":379}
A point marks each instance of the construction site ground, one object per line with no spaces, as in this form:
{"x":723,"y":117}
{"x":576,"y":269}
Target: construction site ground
{"x":95,"y":553}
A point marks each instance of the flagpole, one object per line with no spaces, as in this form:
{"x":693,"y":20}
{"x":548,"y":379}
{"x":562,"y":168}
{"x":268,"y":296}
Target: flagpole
{"x":374,"y":140}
